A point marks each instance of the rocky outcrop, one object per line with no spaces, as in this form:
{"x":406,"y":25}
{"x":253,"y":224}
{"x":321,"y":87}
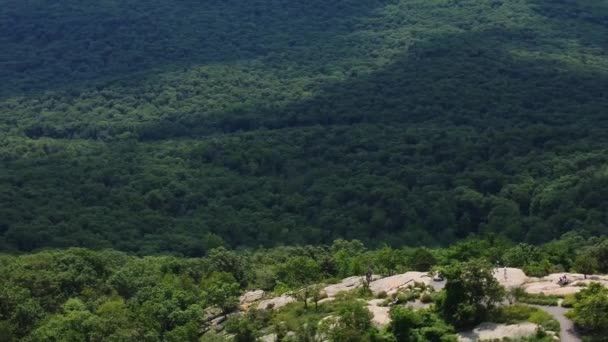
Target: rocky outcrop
{"x":347,"y":284}
{"x":248,"y":298}
{"x":275,"y":303}
{"x":390,"y":285}
{"x":498,"y":332}
{"x":380,"y":312}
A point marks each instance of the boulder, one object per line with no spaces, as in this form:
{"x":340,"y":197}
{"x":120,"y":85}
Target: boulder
{"x":390,"y":285}
{"x":347,"y":284}
{"x":251,"y":297}
{"x":275,"y":303}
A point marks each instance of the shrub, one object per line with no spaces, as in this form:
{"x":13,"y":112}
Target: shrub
{"x":517,"y":313}
{"x":569,"y":301}
{"x":513,"y":314}
{"x":382,"y":295}
{"x":537,"y":299}
{"x":544,"y":319}
{"x":426,"y":298}
{"x":406,"y":297}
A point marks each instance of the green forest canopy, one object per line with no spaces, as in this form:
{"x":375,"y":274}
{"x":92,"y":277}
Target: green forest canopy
{"x":156,"y":126}
{"x":77,"y":294}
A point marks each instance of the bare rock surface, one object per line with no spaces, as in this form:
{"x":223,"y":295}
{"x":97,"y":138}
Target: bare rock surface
{"x":347,"y":284}
{"x":275,"y":303}
{"x":251,"y":297}
{"x":492,"y":331}
{"x":381,"y":313}
{"x":392,"y":284}
{"x":510,"y":277}
{"x":549,"y":284}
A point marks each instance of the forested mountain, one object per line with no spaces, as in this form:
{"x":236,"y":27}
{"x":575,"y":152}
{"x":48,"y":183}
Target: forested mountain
{"x":155,"y":126}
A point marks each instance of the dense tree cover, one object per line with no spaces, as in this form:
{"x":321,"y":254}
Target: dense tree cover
{"x":77,"y":294}
{"x":156,"y":126}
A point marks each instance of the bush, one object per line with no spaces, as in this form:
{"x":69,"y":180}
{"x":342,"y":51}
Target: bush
{"x":382,"y":295}
{"x":518,"y":313}
{"x":537,"y":299}
{"x":404,"y":297}
{"x":426,"y":298}
{"x":590,"y":310}
{"x":569,"y":301}
{"x":513,"y":314}
{"x":545,"y":320}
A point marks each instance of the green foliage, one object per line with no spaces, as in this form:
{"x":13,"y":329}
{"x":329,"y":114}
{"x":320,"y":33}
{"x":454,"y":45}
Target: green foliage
{"x":422,"y":260}
{"x":78,"y":294}
{"x":586,"y":263}
{"x":242,"y":329}
{"x":351,"y":323}
{"x":539,"y":269}
{"x":387,"y":259}
{"x":299,"y":271}
{"x":471,"y":293}
{"x":517,"y":313}
{"x":221,"y":290}
{"x":426,"y":298}
{"x":179,"y":127}
{"x":538,"y":299}
{"x":521,"y":255}
{"x":418,"y":326}
{"x":590,"y":311}
{"x":569,"y":301}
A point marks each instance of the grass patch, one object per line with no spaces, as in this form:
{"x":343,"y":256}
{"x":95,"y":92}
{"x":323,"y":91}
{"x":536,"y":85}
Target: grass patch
{"x":537,"y":299}
{"x":569,"y":301}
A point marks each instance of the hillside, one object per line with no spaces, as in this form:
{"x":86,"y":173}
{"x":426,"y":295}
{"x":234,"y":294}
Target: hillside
{"x":178,"y":126}
{"x":77,"y":294}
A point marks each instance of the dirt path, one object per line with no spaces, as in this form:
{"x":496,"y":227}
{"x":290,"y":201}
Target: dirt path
{"x":567,"y":332}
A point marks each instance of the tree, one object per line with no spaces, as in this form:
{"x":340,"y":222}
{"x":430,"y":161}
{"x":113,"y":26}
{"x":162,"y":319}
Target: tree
{"x":471,"y":292}
{"x":304,"y":294}
{"x":314,"y":292}
{"x":300,"y":270}
{"x":243,"y":330}
{"x":388,"y":259}
{"x":317,"y":294}
{"x":352,"y":323}
{"x":403,"y":322}
{"x":308,"y":331}
{"x":586,"y":263}
{"x":590,"y":311}
{"x":223,"y":260}
{"x":74,"y":323}
{"x":422,"y":259}
{"x":521,"y":255}
{"x":222,"y":290}
{"x":408,"y":325}
{"x":347,"y":256}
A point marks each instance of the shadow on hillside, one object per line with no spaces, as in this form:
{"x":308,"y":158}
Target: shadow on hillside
{"x":585,"y":21}
{"x":45,"y":45}
{"x":470,"y":78}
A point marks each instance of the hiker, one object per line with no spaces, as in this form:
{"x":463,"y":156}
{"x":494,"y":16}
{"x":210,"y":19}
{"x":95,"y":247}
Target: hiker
{"x":369,"y":274}
{"x":505,"y":272}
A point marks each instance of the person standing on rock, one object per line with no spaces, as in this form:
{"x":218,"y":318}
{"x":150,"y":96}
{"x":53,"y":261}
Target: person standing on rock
{"x":369,"y":274}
